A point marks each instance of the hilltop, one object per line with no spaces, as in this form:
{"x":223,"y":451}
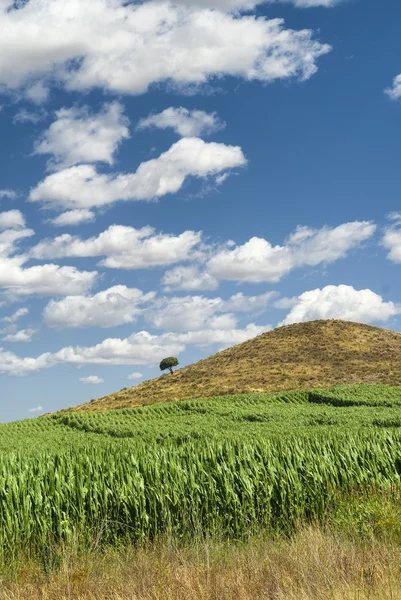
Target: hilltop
{"x":300,"y":356}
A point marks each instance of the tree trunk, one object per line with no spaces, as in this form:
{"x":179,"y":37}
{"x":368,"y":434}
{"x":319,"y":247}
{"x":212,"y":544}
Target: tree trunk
{"x":171,"y":370}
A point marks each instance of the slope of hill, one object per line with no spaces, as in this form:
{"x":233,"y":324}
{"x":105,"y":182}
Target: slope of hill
{"x":300,"y":356}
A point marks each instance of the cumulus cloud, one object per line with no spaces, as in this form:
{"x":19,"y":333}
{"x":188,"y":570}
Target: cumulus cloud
{"x":223,"y":337}
{"x":125,"y":47}
{"x":235,"y":5}
{"x":188,"y":279}
{"x":313,"y":3}
{"x":123,"y":247}
{"x":395,"y":90}
{"x":83,"y":187}
{"x":43,"y":280}
{"x":25,"y":335}
{"x":48,"y":279}
{"x":28,"y":116}
{"x":196,"y":313}
{"x":37,"y":409}
{"x":73,"y":217}
{"x":392,"y":239}
{"x":258,"y":261}
{"x":187,"y":123}
{"x":8,"y":194}
{"x":135,"y":376}
{"x":341,"y":302}
{"x":223,"y":5}
{"x":79,"y":136}
{"x":108,"y":308}
{"x":187,"y":313}
{"x":18,"y":365}
{"x":18,"y":314}
{"x":92,"y":379}
{"x":249,"y":304}
{"x":12,"y":219}
{"x":38,"y":92}
{"x":140,"y":348}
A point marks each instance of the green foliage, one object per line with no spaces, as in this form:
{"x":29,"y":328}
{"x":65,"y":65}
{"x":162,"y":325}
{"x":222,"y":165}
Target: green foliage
{"x":169,"y":363}
{"x":200,"y":467}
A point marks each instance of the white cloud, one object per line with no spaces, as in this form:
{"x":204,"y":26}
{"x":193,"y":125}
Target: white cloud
{"x":341,"y":302}
{"x":220,"y":179}
{"x":8,"y":194}
{"x":25,"y":335}
{"x":43,"y":280}
{"x":38,"y":92}
{"x":392,"y":241}
{"x":126,"y":47}
{"x":234,"y":5}
{"x":224,"y":337}
{"x":249,"y":304}
{"x":73,"y":217}
{"x":197,"y":313}
{"x":27,"y":116}
{"x":92,"y":379}
{"x":395,"y":91}
{"x":21,"y":312}
{"x":258,"y":261}
{"x":48,"y":279}
{"x":187,"y":313}
{"x":37,"y":409}
{"x":83,"y":187}
{"x":223,"y":5}
{"x":284,"y":303}
{"x":12,"y":219}
{"x":135,"y":376}
{"x":124,"y":247}
{"x":313,"y":3}
{"x":140,"y":348}
{"x":188,"y":279}
{"x":78,"y":136}
{"x":17,"y":365}
{"x":108,"y":308}
{"x":187,"y":123}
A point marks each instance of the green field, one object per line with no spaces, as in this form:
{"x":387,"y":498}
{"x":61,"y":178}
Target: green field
{"x":226,"y":466}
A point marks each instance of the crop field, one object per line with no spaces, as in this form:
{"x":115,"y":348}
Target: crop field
{"x":226,"y":466}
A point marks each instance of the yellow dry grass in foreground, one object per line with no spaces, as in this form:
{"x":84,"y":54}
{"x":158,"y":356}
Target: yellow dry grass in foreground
{"x":312,"y":566}
{"x":301,"y":356}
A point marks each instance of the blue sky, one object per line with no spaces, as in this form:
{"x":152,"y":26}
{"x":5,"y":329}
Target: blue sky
{"x":180,"y":177}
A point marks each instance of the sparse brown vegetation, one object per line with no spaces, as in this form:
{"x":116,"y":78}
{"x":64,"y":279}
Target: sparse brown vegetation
{"x":314,"y":565}
{"x":301,"y":356}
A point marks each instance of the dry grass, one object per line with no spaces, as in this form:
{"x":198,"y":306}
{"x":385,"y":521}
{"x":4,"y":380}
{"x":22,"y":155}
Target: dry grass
{"x":313,"y":566}
{"x":305,"y":355}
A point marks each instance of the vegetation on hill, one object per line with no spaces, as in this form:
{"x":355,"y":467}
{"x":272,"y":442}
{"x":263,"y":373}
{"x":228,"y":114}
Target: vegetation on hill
{"x":300,"y":356}
{"x":262,"y":462}
{"x":95,"y":504}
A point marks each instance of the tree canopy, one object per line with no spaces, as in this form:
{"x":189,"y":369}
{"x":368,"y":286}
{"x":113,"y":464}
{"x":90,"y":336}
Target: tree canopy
{"x":169,"y":363}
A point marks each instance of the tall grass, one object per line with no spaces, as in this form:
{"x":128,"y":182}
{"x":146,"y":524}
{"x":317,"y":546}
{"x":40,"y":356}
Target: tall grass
{"x":205,"y":469}
{"x":204,"y":489}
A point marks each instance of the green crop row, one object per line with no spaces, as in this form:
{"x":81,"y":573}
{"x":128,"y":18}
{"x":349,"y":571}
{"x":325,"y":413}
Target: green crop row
{"x":143,"y":492}
{"x":229,"y":465}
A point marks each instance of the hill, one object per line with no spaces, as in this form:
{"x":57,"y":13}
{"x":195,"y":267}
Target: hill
{"x":300,"y":356}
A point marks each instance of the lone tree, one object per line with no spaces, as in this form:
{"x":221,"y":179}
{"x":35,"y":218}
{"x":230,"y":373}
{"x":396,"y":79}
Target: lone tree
{"x":169,"y":363}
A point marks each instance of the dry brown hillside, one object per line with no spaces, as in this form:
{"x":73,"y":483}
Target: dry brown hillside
{"x":305,"y":355}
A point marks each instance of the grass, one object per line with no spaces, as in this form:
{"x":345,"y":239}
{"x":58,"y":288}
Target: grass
{"x":300,"y":356}
{"x":289,"y":495}
{"x":315,"y":564}
{"x":240,"y":465}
